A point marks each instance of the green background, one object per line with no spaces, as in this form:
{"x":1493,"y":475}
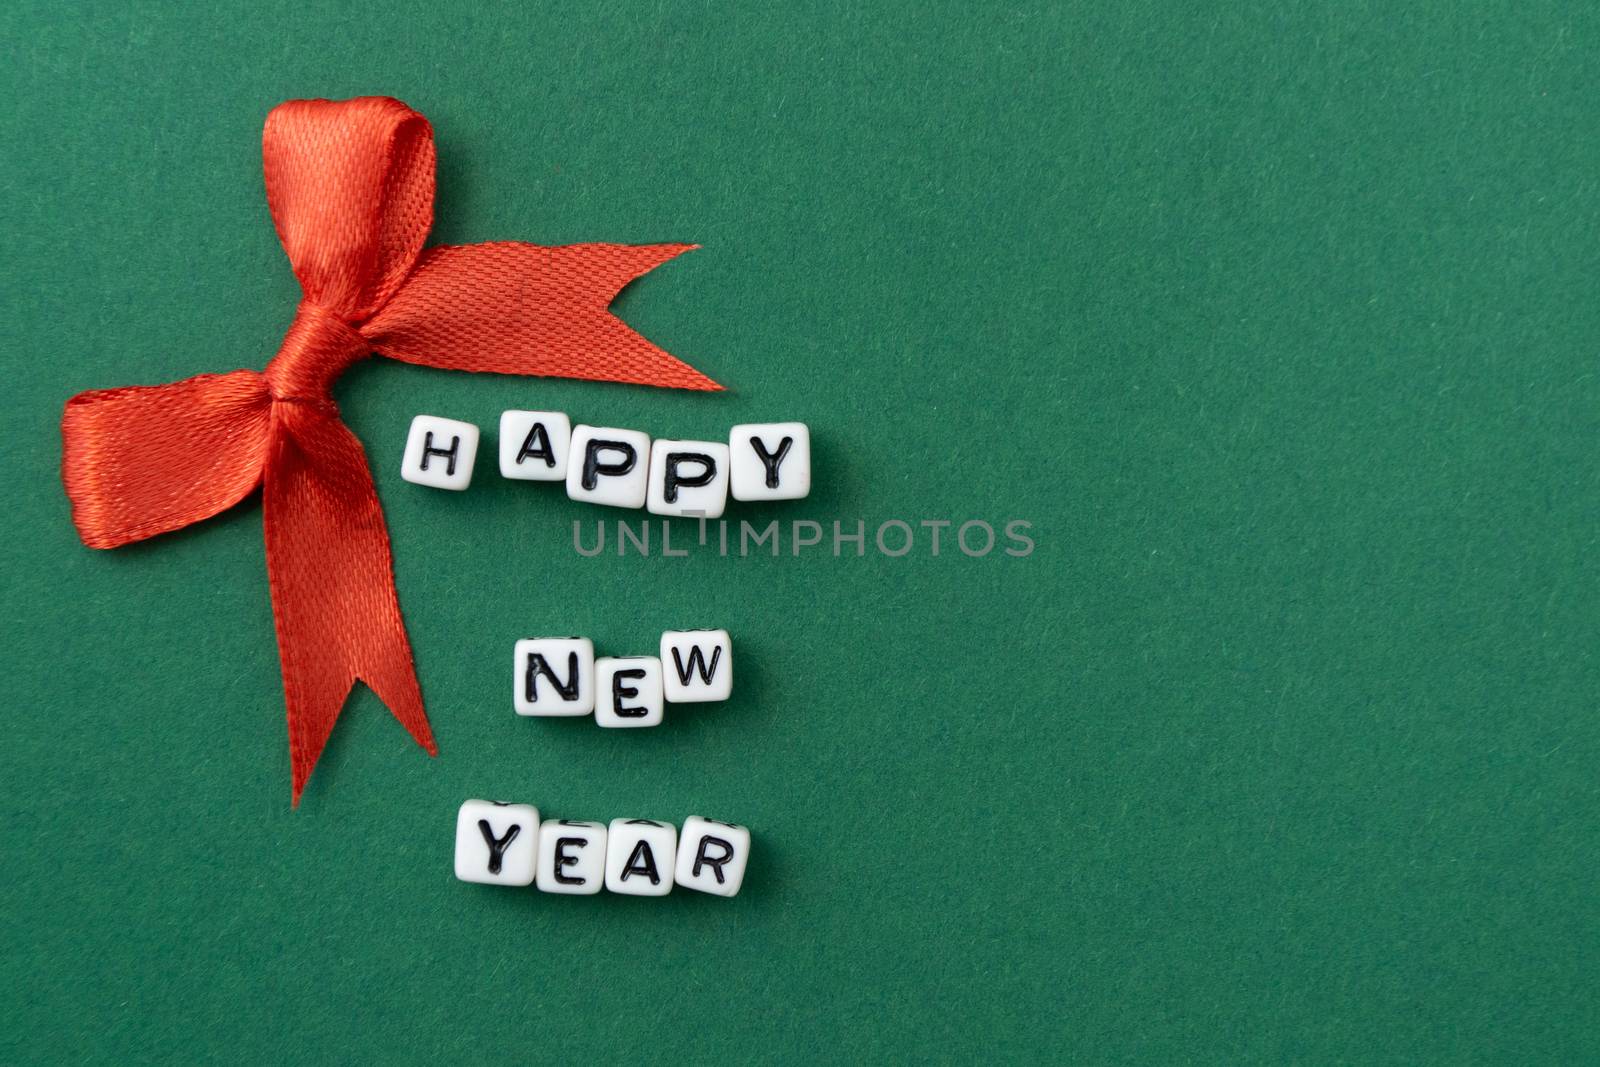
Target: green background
{"x":1280,"y":326}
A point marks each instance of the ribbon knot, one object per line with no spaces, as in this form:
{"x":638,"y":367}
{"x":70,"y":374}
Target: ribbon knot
{"x":317,"y":349}
{"x":350,"y":185}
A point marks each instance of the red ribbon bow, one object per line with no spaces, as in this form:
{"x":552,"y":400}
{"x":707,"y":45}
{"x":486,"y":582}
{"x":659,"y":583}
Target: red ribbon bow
{"x":350,"y":185}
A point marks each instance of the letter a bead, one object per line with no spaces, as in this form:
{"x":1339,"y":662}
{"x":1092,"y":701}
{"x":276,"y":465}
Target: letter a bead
{"x":534,"y":444}
{"x":640,"y":854}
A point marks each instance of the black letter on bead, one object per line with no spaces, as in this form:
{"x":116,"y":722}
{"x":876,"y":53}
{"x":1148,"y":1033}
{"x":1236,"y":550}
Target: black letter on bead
{"x":697,"y":662}
{"x":770,"y":460}
{"x":708,"y":471}
{"x":641,"y":861}
{"x":714,"y":862}
{"x":620,"y":691}
{"x":592,"y":467}
{"x":429,"y":451}
{"x":537,"y":446}
{"x":564,"y":860}
{"x":537,"y":666}
{"x":497,"y":848}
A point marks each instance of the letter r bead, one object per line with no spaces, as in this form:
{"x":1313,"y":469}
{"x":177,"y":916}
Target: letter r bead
{"x":712,"y":856}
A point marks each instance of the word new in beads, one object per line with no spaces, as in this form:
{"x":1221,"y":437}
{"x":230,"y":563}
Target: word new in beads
{"x":560,"y":676}
{"x":506,"y":844}
{"x":621,"y":468}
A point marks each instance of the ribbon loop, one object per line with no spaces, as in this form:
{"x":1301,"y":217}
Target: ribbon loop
{"x":144,"y":460}
{"x":350,"y":186}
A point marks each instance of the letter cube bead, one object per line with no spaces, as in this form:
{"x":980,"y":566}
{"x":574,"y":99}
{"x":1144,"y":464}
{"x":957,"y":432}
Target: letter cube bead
{"x":496,"y":843}
{"x":440,"y":452}
{"x":639,"y":857}
{"x":688,"y":478}
{"x":553,"y":676}
{"x":609,"y":466}
{"x":534,"y":445}
{"x":572,"y":856}
{"x":770,"y":460}
{"x":627,"y":691}
{"x":696,"y":665}
{"x":712,"y":856}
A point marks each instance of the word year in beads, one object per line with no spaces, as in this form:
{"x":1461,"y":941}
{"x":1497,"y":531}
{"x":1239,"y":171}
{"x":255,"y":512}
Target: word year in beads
{"x":618,"y":467}
{"x":560,"y":676}
{"x":506,"y":844}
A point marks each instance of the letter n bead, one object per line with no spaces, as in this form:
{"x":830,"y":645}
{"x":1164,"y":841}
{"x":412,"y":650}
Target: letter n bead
{"x":712,"y":856}
{"x":553,"y":676}
{"x":496,"y":843}
{"x":440,"y":452}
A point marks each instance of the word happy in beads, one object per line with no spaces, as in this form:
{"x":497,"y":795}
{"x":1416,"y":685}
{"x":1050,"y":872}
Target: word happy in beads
{"x":620,"y":467}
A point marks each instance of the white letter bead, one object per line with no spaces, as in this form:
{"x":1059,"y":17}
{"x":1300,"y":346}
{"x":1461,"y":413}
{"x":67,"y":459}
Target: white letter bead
{"x":712,"y":856}
{"x":440,"y":452}
{"x":770,"y":460}
{"x":572,"y":856}
{"x":627,"y":691}
{"x":696,"y":665}
{"x":639,"y":857}
{"x":553,"y":676}
{"x":608,"y":466}
{"x":496,"y":843}
{"x":534,"y":445}
{"x":688,"y":478}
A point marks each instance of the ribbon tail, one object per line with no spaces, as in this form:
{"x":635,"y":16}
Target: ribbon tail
{"x":332,"y":578}
{"x":513,"y":308}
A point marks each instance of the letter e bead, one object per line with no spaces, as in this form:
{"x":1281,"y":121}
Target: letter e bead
{"x":627,"y":691}
{"x":572,"y":856}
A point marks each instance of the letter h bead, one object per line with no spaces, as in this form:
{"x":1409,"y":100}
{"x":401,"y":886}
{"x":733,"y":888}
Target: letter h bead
{"x":440,"y":453}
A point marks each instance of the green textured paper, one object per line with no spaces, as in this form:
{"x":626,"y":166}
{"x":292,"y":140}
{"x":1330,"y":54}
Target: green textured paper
{"x":1280,"y":327}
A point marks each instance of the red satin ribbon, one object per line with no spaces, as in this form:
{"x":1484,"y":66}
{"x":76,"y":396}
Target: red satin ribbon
{"x":350,"y":184}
